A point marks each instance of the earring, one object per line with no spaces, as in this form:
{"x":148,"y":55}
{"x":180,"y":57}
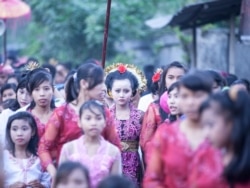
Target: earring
{"x":110,"y":94}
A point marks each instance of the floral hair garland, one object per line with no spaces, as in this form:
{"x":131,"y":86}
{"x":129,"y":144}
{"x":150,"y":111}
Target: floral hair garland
{"x":32,"y":66}
{"x":122,"y":68}
{"x":157,"y":75}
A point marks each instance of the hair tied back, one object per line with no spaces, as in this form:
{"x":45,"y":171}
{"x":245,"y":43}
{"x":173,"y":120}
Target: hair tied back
{"x":122,"y":68}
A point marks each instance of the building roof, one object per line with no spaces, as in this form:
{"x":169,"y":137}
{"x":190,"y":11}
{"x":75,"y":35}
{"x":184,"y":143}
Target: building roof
{"x":204,"y":13}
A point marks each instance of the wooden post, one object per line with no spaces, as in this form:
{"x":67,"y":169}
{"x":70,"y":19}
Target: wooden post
{"x":194,"y":46}
{"x":245,"y":22}
{"x":231,"y":53}
{"x":105,"y":35}
{"x":4,"y":44}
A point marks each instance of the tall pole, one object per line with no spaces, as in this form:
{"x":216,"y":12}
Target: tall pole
{"x":4,"y":44}
{"x":194,"y":45}
{"x":231,"y":59}
{"x":105,"y":35}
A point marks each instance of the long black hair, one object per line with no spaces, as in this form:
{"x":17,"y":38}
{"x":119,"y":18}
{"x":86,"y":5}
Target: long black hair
{"x":236,"y":109}
{"x":35,"y":78}
{"x":197,"y":81}
{"x":116,"y":75}
{"x":33,"y":143}
{"x":89,"y":72}
{"x":66,"y":168}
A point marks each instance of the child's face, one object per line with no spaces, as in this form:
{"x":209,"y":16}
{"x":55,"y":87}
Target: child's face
{"x":173,"y":102}
{"x":121,"y":92}
{"x":76,"y":179}
{"x":217,"y":127}
{"x":23,"y":97}
{"x":92,"y":122}
{"x":20,"y":132}
{"x":190,"y":102}
{"x":173,"y":75}
{"x":42,"y":95}
{"x":98,"y":92}
{"x":8,"y":94}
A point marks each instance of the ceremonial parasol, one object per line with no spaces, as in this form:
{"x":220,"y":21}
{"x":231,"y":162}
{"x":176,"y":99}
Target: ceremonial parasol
{"x":11,"y":9}
{"x":106,"y":31}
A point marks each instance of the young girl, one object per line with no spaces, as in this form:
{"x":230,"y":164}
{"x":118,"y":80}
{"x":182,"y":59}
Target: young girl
{"x":122,"y":85}
{"x":86,"y":84}
{"x":8,"y":91}
{"x":72,"y":174}
{"x":173,"y":147}
{"x":21,"y":164}
{"x":101,"y":157}
{"x":173,"y":103}
{"x":226,"y":117}
{"x":40,"y":87}
{"x":154,"y":116}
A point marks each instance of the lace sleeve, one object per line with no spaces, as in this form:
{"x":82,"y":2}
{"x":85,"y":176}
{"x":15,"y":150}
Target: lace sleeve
{"x":154,"y":175}
{"x":109,"y":132}
{"x":48,"y":143}
{"x":149,"y":125}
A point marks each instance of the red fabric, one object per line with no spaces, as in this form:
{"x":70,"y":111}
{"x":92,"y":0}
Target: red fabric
{"x":207,"y":169}
{"x":168,"y":158}
{"x":151,"y":121}
{"x":62,"y":128}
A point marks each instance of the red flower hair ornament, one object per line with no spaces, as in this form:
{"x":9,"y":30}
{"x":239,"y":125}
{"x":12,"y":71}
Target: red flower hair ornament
{"x":122,"y":68}
{"x":157,"y":75}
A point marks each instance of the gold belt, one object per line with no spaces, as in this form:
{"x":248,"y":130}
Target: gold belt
{"x":129,"y":145}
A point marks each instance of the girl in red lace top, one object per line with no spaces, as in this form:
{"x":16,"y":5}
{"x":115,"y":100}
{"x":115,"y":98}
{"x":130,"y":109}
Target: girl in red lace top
{"x":173,"y":146}
{"x":226,"y":116}
{"x":86,"y":84}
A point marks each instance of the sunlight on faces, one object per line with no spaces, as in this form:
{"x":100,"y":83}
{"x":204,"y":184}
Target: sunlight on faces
{"x":92,"y":122}
{"x":20,"y":132}
{"x":121,"y":92}
{"x":173,"y":102}
{"x":23,"y":97}
{"x":173,"y":75}
{"x":8,"y":94}
{"x":190,"y":102}
{"x":42,"y":95}
{"x":76,"y":179}
{"x":217,"y":126}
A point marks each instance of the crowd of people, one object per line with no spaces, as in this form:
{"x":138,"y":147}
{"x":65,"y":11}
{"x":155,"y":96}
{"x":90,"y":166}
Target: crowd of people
{"x":118,"y":127}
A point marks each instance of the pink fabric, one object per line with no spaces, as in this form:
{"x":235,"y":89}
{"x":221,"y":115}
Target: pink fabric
{"x":99,"y":165}
{"x":169,"y":158}
{"x":207,"y":169}
{"x":164,"y":102}
{"x":129,"y":130}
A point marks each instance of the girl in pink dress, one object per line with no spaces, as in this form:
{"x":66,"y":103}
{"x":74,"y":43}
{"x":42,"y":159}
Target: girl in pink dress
{"x":87,"y":83}
{"x":122,"y":85}
{"x":92,"y":150}
{"x":226,"y":117}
